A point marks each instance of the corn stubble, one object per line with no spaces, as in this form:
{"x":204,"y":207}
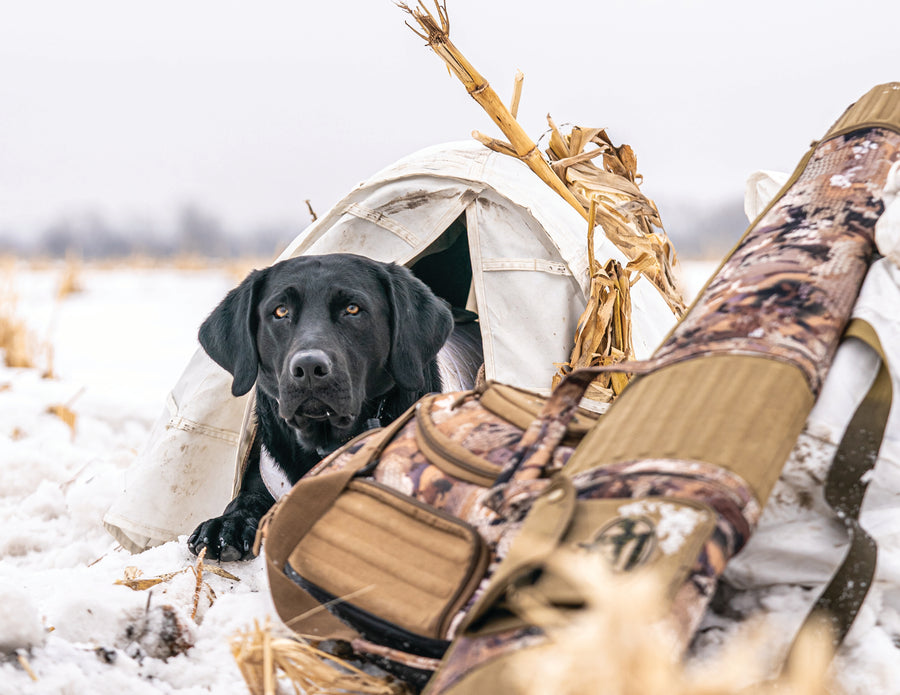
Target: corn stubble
{"x":17,"y":344}
{"x":267,"y":660}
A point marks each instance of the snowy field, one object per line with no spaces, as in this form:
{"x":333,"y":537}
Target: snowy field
{"x":118,"y":347}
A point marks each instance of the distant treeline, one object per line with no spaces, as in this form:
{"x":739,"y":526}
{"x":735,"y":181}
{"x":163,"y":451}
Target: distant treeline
{"x":194,"y":231}
{"x":695,"y":231}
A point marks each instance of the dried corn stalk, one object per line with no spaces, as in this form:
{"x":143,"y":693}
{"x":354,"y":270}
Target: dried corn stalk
{"x":264,"y":659}
{"x":437,"y":34}
{"x":607,"y":195}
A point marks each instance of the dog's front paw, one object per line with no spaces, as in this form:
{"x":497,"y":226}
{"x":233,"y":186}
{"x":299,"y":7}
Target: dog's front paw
{"x":227,"y":538}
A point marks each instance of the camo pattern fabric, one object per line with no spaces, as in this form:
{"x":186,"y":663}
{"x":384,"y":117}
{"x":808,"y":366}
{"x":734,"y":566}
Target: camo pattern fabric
{"x":460,"y":419}
{"x":787,"y":289}
{"x":467,"y":654}
{"x":737,"y":513}
{"x":736,"y":509}
{"x":784,"y":293}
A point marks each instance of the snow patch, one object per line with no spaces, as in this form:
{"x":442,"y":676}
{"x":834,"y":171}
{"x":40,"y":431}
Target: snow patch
{"x":676,"y":521}
{"x":20,"y":623}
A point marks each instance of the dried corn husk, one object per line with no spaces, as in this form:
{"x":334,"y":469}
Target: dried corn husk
{"x":603,"y":335}
{"x":134,"y":581}
{"x":627,"y":216}
{"x":264,"y":659}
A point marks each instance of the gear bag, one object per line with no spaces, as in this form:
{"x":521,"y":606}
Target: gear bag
{"x":435,"y":528}
{"x":396,"y":531}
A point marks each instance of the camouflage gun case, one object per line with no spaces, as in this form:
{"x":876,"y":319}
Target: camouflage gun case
{"x":708,"y":424}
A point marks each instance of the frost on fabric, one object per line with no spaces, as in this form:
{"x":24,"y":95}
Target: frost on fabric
{"x":841,"y":181}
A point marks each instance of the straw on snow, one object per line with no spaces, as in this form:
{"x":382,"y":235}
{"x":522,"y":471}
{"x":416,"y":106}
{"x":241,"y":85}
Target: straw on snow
{"x":264,"y":658}
{"x":135,"y":581}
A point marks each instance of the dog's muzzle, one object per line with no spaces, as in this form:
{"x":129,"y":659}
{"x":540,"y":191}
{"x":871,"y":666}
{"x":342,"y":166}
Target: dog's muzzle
{"x":311,"y":368}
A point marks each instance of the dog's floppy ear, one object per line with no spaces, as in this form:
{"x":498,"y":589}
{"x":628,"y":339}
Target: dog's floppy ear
{"x":420,"y":323}
{"x":229,"y":333}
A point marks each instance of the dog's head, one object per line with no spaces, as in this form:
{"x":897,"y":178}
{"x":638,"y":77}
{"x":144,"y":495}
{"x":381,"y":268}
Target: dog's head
{"x":322,"y":335}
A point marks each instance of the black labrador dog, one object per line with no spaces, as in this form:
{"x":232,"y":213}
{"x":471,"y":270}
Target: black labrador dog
{"x":335,"y":344}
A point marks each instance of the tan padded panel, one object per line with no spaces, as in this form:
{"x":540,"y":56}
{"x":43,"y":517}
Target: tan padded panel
{"x":743,"y":413}
{"x":410,"y":565}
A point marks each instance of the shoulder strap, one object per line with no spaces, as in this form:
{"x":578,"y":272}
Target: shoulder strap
{"x":845,"y":487}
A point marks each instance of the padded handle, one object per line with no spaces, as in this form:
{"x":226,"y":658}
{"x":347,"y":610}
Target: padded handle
{"x":546,"y":432}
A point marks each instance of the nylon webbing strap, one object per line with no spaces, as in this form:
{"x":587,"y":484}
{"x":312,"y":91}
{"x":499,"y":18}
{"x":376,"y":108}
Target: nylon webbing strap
{"x":845,"y":488}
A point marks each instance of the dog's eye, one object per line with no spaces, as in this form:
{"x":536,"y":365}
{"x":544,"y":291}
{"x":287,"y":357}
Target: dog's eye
{"x":280,"y":311}
{"x":352,"y":309}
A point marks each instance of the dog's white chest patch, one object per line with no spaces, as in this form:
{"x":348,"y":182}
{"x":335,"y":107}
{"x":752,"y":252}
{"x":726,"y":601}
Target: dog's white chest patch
{"x":273,"y":477}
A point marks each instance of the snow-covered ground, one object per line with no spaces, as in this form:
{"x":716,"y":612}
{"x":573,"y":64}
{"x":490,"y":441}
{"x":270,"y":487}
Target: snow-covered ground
{"x":118,"y":347}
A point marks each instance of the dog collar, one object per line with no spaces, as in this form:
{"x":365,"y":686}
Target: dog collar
{"x":375,"y":421}
{"x":372,"y":423}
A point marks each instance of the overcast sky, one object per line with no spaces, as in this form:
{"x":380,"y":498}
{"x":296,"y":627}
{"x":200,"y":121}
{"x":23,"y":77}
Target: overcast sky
{"x":248,"y":108}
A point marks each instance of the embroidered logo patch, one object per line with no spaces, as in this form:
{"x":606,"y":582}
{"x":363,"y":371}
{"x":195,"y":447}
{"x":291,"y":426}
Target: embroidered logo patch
{"x":626,"y":542}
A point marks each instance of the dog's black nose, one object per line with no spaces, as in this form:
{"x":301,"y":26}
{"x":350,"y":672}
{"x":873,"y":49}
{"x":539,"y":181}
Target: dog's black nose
{"x":310,"y":366}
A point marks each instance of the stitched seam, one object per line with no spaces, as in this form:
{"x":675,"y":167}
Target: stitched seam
{"x":181,"y":423}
